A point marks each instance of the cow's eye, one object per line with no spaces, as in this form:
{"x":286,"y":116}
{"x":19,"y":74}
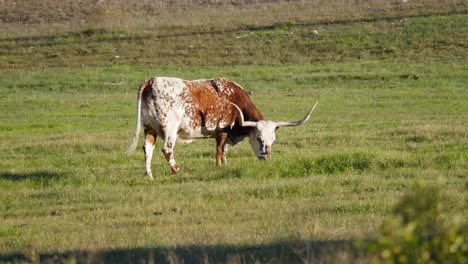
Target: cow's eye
{"x":259,"y":139}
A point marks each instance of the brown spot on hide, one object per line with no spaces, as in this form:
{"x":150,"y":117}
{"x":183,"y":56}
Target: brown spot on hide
{"x":210,"y":103}
{"x":150,"y":136}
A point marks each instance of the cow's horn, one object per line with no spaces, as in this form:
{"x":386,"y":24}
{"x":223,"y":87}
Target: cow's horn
{"x":243,"y":123}
{"x":300,"y":122}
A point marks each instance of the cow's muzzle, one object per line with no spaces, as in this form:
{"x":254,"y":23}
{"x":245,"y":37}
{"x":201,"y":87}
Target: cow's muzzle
{"x":265,"y":155}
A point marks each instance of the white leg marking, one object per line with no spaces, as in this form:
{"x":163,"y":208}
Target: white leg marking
{"x":170,"y":136}
{"x":148,"y":148}
{"x":168,"y":150}
{"x":225,"y":150}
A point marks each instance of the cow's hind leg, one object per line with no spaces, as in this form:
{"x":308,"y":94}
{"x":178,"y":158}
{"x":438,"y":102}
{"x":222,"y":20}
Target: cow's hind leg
{"x":148,"y":147}
{"x":168,"y":150}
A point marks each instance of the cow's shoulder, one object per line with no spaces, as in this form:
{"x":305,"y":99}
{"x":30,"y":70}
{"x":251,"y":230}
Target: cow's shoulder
{"x":226,"y":86}
{"x":229,"y":89}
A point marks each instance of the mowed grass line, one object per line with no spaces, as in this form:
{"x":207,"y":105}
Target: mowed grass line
{"x":67,"y":182}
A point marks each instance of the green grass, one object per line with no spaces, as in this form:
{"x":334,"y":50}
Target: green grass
{"x":392,"y":112}
{"x":331,"y":179}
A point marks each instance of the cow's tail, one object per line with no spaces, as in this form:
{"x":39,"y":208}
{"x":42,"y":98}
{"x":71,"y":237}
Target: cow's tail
{"x":136,"y":131}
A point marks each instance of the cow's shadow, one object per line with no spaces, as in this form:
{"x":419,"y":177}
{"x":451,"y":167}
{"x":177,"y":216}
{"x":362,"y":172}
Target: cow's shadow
{"x":30,"y":176}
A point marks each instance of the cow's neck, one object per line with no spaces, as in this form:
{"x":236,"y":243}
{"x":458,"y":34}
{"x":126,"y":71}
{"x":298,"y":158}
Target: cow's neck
{"x":251,"y":113}
{"x":238,"y":133}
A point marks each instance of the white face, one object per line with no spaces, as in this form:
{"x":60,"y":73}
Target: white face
{"x":262,"y":137}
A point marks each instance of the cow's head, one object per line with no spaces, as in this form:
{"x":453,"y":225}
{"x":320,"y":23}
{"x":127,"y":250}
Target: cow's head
{"x":263,"y":134}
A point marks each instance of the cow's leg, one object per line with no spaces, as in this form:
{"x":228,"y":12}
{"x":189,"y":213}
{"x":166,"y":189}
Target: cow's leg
{"x":168,"y":150}
{"x":221,"y":148}
{"x":148,"y":147}
{"x":225,"y":150}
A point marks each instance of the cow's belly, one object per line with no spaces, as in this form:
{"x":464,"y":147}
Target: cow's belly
{"x":188,"y":131}
{"x":165,"y":117}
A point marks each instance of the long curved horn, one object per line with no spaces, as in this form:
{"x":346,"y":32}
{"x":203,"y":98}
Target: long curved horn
{"x":300,"y":122}
{"x":243,"y":123}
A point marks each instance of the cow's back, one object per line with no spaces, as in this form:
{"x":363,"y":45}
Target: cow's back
{"x":208,"y":106}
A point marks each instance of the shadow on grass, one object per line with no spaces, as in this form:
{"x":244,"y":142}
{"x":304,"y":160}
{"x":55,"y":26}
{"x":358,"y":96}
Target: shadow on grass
{"x":37,"y":176}
{"x":296,"y":251}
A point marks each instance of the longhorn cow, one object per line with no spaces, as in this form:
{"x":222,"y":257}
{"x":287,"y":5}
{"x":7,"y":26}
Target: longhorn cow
{"x":173,"y":109}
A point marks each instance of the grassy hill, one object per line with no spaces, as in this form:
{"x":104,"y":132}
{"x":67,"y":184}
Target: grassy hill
{"x":247,"y":33}
{"x":391,"y":79}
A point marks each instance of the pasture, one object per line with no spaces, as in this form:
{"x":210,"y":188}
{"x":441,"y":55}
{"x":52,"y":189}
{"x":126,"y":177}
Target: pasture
{"x":392,"y":85}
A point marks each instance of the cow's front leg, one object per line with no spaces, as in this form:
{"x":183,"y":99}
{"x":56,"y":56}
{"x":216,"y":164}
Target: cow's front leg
{"x":148,"y":147}
{"x":168,"y":151}
{"x":221,"y":148}
{"x":225,"y":150}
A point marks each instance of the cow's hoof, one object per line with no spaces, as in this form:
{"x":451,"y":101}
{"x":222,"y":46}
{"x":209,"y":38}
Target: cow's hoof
{"x":150,"y":176}
{"x":175,"y":169}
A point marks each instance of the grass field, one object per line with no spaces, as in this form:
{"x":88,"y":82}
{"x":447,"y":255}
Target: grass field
{"x":392,"y":85}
